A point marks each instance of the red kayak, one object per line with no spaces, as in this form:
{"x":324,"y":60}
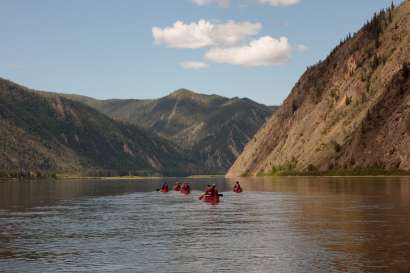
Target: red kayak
{"x":213,"y":199}
{"x":164,"y":190}
{"x":238,"y":190}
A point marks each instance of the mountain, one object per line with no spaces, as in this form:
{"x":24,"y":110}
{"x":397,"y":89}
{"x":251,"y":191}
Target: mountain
{"x":348,"y":112}
{"x":48,"y":134}
{"x":214,"y":129}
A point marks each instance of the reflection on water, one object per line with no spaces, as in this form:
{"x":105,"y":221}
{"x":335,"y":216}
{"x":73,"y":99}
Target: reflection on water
{"x":276,"y":225}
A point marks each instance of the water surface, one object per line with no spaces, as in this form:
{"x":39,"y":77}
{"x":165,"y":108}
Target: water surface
{"x":276,"y":225}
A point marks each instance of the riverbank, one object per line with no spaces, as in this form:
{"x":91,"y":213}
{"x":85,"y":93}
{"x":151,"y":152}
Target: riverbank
{"x":276,"y":173}
{"x":369,"y":172}
{"x":207,"y":176}
{"x":73,"y":177}
{"x":132,"y":177}
{"x":78,"y":177}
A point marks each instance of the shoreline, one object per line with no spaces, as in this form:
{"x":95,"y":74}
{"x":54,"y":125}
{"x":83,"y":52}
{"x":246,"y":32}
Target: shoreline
{"x":328,"y":176}
{"x":79,"y":177}
{"x":106,"y":177}
{"x":359,"y":172}
{"x":141,"y":178}
{"x":136,"y":177}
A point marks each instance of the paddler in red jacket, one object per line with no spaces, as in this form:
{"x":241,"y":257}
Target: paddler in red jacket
{"x":164,"y":187}
{"x":177,"y":187}
{"x":208,"y":190}
{"x":185,"y":187}
{"x":237,"y":187}
{"x":213,"y":191}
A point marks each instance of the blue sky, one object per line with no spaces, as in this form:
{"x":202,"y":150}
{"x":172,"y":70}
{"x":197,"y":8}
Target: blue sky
{"x":106,"y":49}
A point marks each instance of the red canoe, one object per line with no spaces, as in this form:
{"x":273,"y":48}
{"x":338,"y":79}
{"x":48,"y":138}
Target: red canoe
{"x":210,"y":198}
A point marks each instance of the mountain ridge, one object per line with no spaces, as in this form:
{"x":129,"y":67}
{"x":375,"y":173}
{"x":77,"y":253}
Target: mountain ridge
{"x":212,"y":127}
{"x":49,"y":134}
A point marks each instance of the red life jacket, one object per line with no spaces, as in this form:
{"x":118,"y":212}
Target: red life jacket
{"x":212,"y":192}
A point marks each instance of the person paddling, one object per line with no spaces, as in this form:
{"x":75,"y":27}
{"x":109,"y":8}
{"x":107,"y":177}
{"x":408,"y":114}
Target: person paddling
{"x":164,"y":187}
{"x":237,"y":188}
{"x":185,"y":188}
{"x":211,"y":190}
{"x":177,"y":186}
{"x":211,"y":195}
{"x":214,"y":190}
{"x":208,"y":189}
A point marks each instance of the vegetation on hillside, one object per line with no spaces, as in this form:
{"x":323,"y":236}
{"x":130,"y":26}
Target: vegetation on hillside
{"x":45,"y":135}
{"x":348,"y":113}
{"x":212,"y":129}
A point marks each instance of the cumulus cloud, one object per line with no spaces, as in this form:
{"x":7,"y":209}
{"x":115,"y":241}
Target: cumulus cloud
{"x":191,"y":65}
{"x":223,"y":3}
{"x":276,"y":3}
{"x":204,"y":34}
{"x":261,"y":52}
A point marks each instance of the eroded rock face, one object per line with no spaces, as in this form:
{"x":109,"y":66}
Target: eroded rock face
{"x":384,"y":137}
{"x":349,"y":111}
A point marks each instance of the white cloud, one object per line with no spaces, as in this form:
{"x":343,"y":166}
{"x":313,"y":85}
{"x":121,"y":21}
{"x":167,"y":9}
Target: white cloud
{"x":262,"y":52}
{"x":193,"y":65}
{"x":223,"y":3}
{"x":301,"y":48}
{"x":204,"y":34}
{"x":277,"y":3}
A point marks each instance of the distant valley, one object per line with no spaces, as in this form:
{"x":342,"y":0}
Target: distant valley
{"x":212,"y":128}
{"x":185,"y":133}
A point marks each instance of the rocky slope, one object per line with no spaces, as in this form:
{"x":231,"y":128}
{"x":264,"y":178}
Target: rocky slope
{"x":43,"y":135}
{"x":212,"y":128}
{"x":350,"y":111}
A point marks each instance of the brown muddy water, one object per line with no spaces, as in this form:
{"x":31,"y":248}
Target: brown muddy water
{"x":276,"y":225}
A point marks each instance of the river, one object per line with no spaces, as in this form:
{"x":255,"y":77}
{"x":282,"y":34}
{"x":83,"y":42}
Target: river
{"x":277,"y":225}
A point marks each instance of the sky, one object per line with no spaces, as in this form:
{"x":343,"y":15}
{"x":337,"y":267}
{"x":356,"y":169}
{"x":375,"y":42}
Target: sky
{"x":147,"y":49}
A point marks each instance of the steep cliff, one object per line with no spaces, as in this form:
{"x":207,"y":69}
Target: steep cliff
{"x":350,"y":111}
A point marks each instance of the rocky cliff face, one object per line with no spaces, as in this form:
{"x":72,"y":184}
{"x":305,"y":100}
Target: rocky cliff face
{"x":212,"y":129}
{"x":350,"y":111}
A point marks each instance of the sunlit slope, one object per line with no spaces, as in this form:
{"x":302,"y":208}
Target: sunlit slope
{"x":350,"y":111}
{"x":214,"y":129}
